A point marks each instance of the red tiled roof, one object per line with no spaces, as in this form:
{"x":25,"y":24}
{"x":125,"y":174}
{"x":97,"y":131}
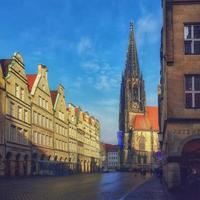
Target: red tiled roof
{"x":31,"y":79}
{"x":148,"y":121}
{"x":53,"y":96}
{"x":110,"y":147}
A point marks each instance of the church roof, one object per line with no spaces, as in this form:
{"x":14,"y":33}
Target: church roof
{"x":147,"y":121}
{"x":31,"y":79}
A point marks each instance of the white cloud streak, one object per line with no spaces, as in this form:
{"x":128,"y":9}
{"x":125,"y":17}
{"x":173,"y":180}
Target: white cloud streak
{"x":84,"y":45}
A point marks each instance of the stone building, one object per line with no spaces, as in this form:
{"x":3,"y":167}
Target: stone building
{"x":42,"y":120}
{"x":103,"y":160}
{"x":61,"y":147}
{"x":179,"y":91}
{"x":137,"y":123}
{"x":16,"y":117}
{"x":88,"y":131}
{"x":112,"y":157}
{"x":72,"y":121}
{"x":38,"y":131}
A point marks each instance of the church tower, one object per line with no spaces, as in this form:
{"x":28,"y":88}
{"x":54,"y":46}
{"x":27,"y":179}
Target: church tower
{"x":132,"y":95}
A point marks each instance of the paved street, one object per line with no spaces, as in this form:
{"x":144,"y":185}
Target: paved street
{"x":84,"y":186}
{"x":108,"y":186}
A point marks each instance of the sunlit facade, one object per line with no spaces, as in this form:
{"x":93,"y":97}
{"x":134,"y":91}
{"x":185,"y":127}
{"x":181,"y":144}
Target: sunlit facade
{"x":39,"y":133}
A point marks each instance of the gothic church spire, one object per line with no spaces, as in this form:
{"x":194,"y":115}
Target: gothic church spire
{"x":132,"y":64}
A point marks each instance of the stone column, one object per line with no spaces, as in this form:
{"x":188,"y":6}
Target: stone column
{"x":12,"y":167}
{"x":172,"y":175}
{"x":21,"y":168}
{"x":28,"y":167}
{"x":2,"y":167}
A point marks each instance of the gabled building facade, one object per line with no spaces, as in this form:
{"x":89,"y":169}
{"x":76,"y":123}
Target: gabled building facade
{"x":179,"y":90}
{"x":61,"y":139}
{"x":16,"y":124}
{"x":72,"y":121}
{"x":42,"y":120}
{"x":39,"y":133}
{"x":133,"y":110}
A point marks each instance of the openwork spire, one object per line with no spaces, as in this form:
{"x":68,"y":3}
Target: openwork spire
{"x":132,"y":65}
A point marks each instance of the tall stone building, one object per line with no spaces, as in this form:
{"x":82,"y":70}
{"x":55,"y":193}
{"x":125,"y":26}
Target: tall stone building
{"x":16,"y":118}
{"x":42,"y":119}
{"x":137,"y":122}
{"x":179,"y":91}
{"x":60,"y":125}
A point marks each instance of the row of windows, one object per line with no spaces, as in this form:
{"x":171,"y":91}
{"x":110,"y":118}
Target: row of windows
{"x":72,"y":146}
{"x":42,"y":139}
{"x":113,"y":163}
{"x":43,"y":103}
{"x":42,"y":120}
{"x":18,"y":135}
{"x":19,"y":92}
{"x":61,"y":130}
{"x":113,"y":157}
{"x":61,"y":145}
{"x":18,"y":112}
{"x":72,"y":132}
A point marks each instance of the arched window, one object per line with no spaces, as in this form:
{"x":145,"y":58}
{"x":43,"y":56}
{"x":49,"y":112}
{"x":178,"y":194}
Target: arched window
{"x":142,"y":144}
{"x":135,"y":93}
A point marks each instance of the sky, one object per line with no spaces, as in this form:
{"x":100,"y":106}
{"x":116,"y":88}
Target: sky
{"x":84,"y":44}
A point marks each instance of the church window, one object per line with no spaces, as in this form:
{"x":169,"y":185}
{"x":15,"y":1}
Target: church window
{"x":135,"y":93}
{"x":192,"y":38}
{"x":192,"y":91}
{"x":142,"y":144}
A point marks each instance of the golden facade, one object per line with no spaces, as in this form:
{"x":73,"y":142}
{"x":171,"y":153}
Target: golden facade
{"x":17,"y":118}
{"x":39,"y":133}
{"x":60,"y":125}
{"x":42,"y":120}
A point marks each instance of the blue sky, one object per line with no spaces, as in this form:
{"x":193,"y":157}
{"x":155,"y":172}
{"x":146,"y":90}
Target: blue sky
{"x":84,"y":43}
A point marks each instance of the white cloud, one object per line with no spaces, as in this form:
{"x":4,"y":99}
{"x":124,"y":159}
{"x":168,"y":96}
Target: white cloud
{"x":107,"y":82}
{"x":84,"y":45}
{"x":102,"y":83}
{"x":148,"y":28}
{"x":91,"y":65}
